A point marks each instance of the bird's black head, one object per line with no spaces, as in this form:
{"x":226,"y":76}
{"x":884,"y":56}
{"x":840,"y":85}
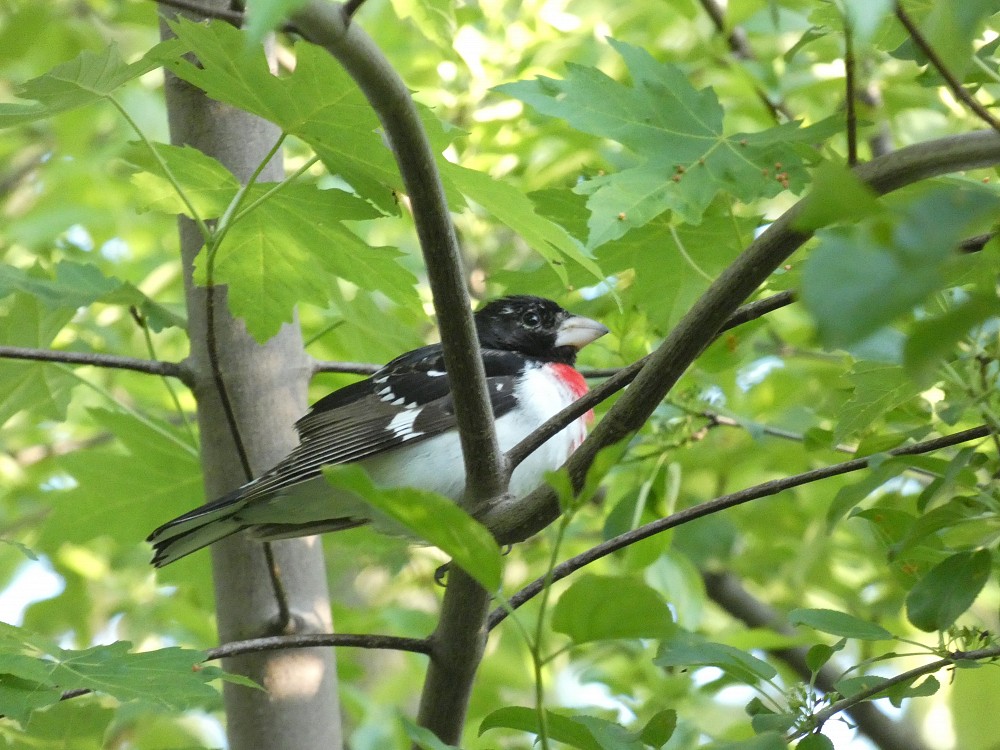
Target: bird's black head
{"x":536,"y":327}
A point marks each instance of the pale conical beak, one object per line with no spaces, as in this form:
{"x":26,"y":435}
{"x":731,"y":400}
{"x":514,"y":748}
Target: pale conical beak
{"x":577,"y":331}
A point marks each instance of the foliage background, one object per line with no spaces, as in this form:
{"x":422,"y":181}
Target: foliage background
{"x":94,"y":458}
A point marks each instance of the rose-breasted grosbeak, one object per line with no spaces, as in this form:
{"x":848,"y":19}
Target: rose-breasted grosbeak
{"x":400,"y":425}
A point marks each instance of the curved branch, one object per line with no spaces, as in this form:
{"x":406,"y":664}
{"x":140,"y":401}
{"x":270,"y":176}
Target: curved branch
{"x":313,"y":640}
{"x":453,"y":664}
{"x":110,"y":361}
{"x":765,"y":489}
{"x":821,"y":717}
{"x":514,"y":521}
{"x":327,"y":26}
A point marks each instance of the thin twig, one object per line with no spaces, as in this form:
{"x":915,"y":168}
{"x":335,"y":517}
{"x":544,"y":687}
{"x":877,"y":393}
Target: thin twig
{"x":850,"y":97}
{"x":111,"y":361}
{"x":953,"y":83}
{"x":308,"y":640}
{"x":351,"y":368}
{"x":821,"y":717}
{"x":738,"y":43}
{"x":727,"y":591}
{"x":620,"y":378}
{"x":314,"y":640}
{"x":278,"y":587}
{"x":766,"y":489}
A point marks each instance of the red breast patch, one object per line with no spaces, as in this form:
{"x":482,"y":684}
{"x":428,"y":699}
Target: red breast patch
{"x":574,"y":380}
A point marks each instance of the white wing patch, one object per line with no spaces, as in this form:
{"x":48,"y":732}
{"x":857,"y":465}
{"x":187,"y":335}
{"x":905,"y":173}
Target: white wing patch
{"x":402,"y":424}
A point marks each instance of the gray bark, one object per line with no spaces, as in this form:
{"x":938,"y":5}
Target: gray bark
{"x":266,"y":385}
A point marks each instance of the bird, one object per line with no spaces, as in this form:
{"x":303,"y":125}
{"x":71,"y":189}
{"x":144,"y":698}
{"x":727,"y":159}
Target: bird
{"x":399,"y":424}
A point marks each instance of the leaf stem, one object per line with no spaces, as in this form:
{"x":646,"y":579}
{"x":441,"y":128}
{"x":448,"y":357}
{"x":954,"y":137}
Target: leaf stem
{"x":203,"y":228}
{"x":141,"y":322}
{"x":189,"y":448}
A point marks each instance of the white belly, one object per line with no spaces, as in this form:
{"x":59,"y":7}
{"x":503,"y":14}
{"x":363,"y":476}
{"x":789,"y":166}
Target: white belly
{"x":420,"y":471}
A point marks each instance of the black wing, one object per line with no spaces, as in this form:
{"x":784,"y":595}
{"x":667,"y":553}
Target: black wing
{"x":409,"y":400}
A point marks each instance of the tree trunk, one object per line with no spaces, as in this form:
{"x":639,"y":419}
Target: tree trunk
{"x":266,"y":386}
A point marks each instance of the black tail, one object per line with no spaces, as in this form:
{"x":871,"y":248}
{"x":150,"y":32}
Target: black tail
{"x":196,"y":529}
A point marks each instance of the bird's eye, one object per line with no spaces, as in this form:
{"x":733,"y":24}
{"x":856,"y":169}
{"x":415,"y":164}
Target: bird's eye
{"x":531,"y":319}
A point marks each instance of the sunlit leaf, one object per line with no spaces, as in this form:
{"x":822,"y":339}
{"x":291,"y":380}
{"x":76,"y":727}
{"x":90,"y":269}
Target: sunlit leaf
{"x":839,"y":623}
{"x":88,"y":78}
{"x":685,"y":649}
{"x":677,"y":132}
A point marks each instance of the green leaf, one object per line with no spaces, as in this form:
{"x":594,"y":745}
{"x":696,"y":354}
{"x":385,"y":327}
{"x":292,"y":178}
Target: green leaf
{"x":435,"y":18}
{"x":851,"y":494}
{"x":158,"y":464}
{"x":851,"y":686}
{"x":948,"y":589}
{"x":951,"y":28}
{"x":672,"y":266}
{"x":686,"y":649}
{"x":81,"y":284}
{"x":896,"y":259}
{"x":512,"y":207}
{"x":591,"y":610}
{"x":431,"y":517}
{"x":914,"y":689}
{"x":89,"y":77}
{"x":22,"y":548}
{"x":263,"y":16}
{"x":561,"y":728}
{"x":318,"y":102}
{"x":685,"y":157}
{"x":815,"y":742}
{"x":207,"y":184}
{"x":839,"y":623}
{"x":34,"y":672}
{"x":817,"y":656}
{"x":292,"y":247}
{"x":40,"y":387}
{"x":865,"y":18}
{"x":424,"y":738}
{"x":767,"y":741}
{"x":836,"y":195}
{"x":932,"y":340}
{"x":659,"y":729}
{"x":877,"y":389}
{"x":609,"y":734}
